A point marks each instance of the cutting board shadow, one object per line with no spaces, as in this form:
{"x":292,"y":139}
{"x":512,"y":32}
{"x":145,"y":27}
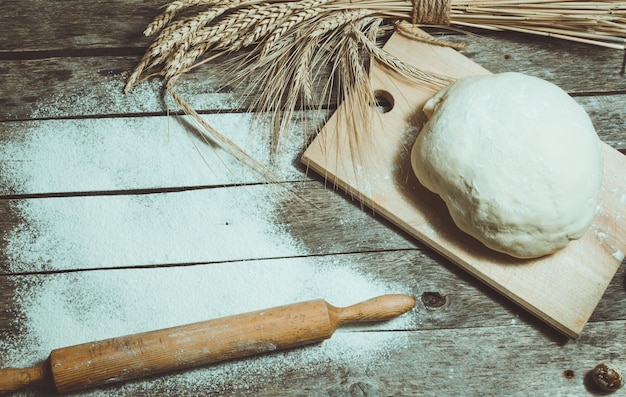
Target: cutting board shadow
{"x":371,"y":161}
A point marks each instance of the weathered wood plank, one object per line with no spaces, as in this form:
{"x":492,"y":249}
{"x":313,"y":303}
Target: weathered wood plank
{"x":484,"y":361}
{"x":566,"y":64}
{"x":78,"y":86}
{"x":54,"y":26}
{"x":188,"y":226}
{"x":134,"y":153}
{"x":444,"y":297}
{"x":206,"y":225}
{"x":447,"y":296}
{"x":60,"y":26}
{"x":90,"y":86}
{"x":607,"y":115}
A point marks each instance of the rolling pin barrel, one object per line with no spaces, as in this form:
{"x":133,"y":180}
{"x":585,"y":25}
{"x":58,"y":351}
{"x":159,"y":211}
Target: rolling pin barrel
{"x":149,"y":353}
{"x":139,"y":355}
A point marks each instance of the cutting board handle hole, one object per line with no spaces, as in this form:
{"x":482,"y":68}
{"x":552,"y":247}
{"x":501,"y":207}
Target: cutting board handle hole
{"x":384,"y":101}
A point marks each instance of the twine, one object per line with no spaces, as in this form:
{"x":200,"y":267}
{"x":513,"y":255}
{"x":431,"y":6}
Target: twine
{"x":431,"y":12}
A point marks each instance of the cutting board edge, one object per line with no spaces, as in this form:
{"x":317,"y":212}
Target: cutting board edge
{"x":398,"y":44}
{"x":570,"y":330}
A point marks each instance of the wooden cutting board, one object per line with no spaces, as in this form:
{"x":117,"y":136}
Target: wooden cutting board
{"x":373,"y":165}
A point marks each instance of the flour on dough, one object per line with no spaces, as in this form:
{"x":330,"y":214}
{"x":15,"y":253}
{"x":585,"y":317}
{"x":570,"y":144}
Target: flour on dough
{"x":516,"y":160}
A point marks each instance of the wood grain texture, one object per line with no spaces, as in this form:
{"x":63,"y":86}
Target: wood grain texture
{"x":57,"y":85}
{"x":420,"y":272}
{"x":341,"y":227}
{"x":109,"y":158}
{"x":565,"y":64}
{"x":63,"y":67}
{"x":62,"y":26}
{"x":447,"y":340}
{"x":56,"y":26}
{"x":65,"y":87}
{"x":454,"y":364}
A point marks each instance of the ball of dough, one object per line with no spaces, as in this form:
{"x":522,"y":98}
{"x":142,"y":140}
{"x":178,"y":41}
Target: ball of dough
{"x":516,"y":160}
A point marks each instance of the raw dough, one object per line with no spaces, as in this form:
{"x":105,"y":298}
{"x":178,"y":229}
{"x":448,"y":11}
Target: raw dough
{"x":516,"y":160}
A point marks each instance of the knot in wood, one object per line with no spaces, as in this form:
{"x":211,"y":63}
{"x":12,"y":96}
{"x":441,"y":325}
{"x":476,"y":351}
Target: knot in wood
{"x":433,"y":300}
{"x":431,"y":12}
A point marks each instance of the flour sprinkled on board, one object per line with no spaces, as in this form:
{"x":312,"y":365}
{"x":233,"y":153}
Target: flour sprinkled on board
{"x":85,"y":155}
{"x":135,"y":300}
{"x":66,"y":233}
{"x":69,"y":308}
{"x":55,"y":154}
{"x":144,"y":98}
{"x":117,"y":256}
{"x":62,"y":309}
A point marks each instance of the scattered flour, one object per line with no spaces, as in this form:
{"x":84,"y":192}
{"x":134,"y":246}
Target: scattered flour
{"x":134,"y":230}
{"x":49,"y":156}
{"x":602,"y":236}
{"x":68,"y":308}
{"x":207,"y":235}
{"x":146,"y":97}
{"x":55,"y":154}
{"x":104,"y":154}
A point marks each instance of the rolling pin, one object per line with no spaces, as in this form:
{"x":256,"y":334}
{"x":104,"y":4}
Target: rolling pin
{"x":144,"y":354}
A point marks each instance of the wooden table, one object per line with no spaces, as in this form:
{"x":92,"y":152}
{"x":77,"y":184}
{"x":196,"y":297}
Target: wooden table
{"x":117,"y":218}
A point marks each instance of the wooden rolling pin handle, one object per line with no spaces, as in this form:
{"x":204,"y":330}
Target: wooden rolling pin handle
{"x":13,"y":379}
{"x":139,"y":355}
{"x":381,"y":308}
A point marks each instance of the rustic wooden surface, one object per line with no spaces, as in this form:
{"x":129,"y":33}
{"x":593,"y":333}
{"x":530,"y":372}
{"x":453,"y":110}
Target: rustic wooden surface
{"x":461,"y":338}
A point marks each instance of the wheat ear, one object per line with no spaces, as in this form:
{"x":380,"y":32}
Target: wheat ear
{"x":173,"y":35}
{"x":173,"y":9}
{"x":229,"y":146}
{"x":302,"y":11}
{"x":216,"y":36}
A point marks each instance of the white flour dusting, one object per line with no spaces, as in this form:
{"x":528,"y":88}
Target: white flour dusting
{"x":47,"y":156}
{"x":135,"y":230}
{"x":144,"y":98}
{"x":65,"y":155}
{"x":104,"y":154}
{"x":69,"y":308}
{"x":226,"y":226}
{"x":64,"y":309}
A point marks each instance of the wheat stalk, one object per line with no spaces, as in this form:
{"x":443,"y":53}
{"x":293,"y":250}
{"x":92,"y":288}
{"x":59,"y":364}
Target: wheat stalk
{"x":302,"y":11}
{"x":174,"y":9}
{"x":286,"y":45}
{"x":357,"y":85}
{"x":176,"y":34}
{"x":220,"y":35}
